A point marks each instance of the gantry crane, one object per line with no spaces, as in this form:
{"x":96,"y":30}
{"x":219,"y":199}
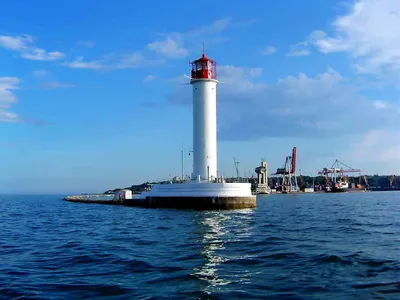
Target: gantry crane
{"x":336,"y":173}
{"x":288,"y":173}
{"x":392,"y":179}
{"x":236,"y":164}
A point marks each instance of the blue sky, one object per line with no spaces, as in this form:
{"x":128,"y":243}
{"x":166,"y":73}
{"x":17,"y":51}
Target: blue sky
{"x":92,"y":93}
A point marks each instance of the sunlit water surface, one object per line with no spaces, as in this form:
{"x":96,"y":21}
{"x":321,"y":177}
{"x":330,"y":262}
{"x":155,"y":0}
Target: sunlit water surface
{"x":316,"y":246}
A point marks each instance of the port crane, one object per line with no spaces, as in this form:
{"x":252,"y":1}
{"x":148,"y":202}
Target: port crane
{"x":360,"y":178}
{"x":337,"y":171}
{"x":392,"y":179}
{"x":288,"y":173}
{"x":236,"y":174}
{"x":236,"y":165}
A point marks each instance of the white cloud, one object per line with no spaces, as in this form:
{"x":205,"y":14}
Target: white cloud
{"x":299,"y":49}
{"x":178,"y":80}
{"x":209,"y":34}
{"x":304,"y":52}
{"x":215,"y":27}
{"x":379,"y":147}
{"x":268,"y":50}
{"x":40,"y":73}
{"x":326,"y":105}
{"x":113,"y":61}
{"x":240,"y":78}
{"x":17,"y":43}
{"x":7,"y":98}
{"x":79,"y":63}
{"x":40,"y":54}
{"x":25,"y":45}
{"x":238,"y":73}
{"x":133,"y":60}
{"x":149,"y":78}
{"x":88,"y":44}
{"x":218,"y":25}
{"x":381,"y":104}
{"x":369,"y":33}
{"x":177,"y":44}
{"x":56,"y":85}
{"x":43,"y":75}
{"x":170,"y":47}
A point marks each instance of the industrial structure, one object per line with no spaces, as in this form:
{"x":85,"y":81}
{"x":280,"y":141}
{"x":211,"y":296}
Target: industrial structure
{"x":205,"y":189}
{"x":236,"y":165}
{"x":336,"y":180}
{"x":287,"y":180}
{"x":262,"y":186}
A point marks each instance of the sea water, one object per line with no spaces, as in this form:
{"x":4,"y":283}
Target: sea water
{"x":309,"y":246}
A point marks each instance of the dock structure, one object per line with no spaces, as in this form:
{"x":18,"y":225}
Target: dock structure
{"x":89,"y":200}
{"x":287,"y":174}
{"x":196,"y":203}
{"x":262,"y":186}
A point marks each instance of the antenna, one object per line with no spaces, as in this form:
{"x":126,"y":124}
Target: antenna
{"x":186,"y":83}
{"x":203,"y":49}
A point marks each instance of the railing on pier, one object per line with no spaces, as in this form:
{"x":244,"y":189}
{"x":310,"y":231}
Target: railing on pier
{"x":91,"y":197}
{"x":237,"y":180}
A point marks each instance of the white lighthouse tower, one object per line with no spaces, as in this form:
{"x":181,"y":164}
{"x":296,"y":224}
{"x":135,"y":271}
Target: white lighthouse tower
{"x":204,"y":82}
{"x":206,"y":190}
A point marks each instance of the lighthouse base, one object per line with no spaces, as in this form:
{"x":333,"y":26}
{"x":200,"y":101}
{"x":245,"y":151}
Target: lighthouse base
{"x":199,"y":195}
{"x":200,"y":202}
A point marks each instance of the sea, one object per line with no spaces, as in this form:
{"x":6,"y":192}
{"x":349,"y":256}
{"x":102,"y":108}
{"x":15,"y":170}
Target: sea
{"x":306,"y":246}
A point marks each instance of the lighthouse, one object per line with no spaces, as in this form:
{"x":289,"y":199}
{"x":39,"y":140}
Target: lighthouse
{"x":206,"y":190}
{"x":204,"y":83}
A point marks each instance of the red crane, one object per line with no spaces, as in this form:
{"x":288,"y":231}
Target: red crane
{"x":288,"y":173}
{"x":294,"y":153}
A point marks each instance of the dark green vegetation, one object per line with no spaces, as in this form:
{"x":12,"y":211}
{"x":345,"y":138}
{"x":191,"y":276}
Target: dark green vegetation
{"x":375,"y":181}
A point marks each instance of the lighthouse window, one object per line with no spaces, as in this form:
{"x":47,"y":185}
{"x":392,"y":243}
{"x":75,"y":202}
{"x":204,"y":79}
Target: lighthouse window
{"x":209,"y":65}
{"x":199,"y":66}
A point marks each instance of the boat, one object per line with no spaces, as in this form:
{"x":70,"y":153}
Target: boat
{"x":264,"y":193}
{"x":337,"y":182}
{"x":263,"y":190}
{"x":340,"y":186}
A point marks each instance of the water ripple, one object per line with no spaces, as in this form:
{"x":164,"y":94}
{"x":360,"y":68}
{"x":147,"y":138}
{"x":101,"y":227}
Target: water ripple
{"x":290,"y":247}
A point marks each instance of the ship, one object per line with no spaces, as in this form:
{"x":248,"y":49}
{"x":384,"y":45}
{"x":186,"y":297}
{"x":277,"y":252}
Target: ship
{"x":337,"y":181}
{"x":339,"y":186}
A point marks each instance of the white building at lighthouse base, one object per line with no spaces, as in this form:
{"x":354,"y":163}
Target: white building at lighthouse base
{"x":200,"y":195}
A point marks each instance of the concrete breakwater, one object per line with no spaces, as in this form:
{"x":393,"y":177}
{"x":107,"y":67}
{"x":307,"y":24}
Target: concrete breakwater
{"x":100,"y":199}
{"x":197,"y":203}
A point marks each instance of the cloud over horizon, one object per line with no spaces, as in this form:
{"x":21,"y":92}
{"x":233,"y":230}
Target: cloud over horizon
{"x":25,"y":46}
{"x":7,"y":98}
{"x":322,"y":106}
{"x":368,"y":33}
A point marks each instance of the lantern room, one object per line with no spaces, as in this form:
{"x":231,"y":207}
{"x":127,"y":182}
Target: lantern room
{"x":203,"y":68}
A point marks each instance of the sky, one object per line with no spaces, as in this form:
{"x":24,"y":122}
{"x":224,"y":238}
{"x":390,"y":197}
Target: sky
{"x":93,"y":94}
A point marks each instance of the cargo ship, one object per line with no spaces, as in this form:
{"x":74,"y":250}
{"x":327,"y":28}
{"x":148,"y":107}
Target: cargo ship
{"x":336,"y":181}
{"x":338,"y":187}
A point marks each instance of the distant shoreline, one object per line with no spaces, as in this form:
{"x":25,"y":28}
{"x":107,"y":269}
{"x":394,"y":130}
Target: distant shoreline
{"x":375,"y":182}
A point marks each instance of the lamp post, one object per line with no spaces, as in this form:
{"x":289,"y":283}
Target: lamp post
{"x":191,"y":151}
{"x":183,"y":163}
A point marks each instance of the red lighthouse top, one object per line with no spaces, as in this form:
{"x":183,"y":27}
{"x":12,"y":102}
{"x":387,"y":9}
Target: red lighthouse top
{"x":203,"y":68}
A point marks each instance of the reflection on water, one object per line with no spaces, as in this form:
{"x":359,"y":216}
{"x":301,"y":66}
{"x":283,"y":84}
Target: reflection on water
{"x":312,"y":246}
{"x":218,"y":229}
